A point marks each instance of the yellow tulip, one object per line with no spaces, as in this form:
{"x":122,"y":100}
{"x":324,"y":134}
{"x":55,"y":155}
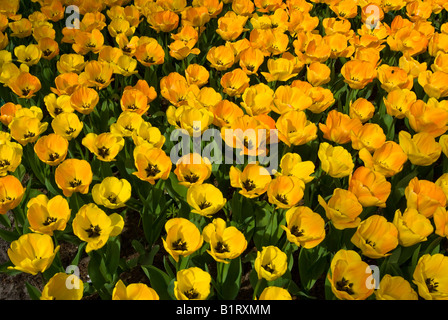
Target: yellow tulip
{"x":182,"y":238}
{"x":192,"y":284}
{"x":412,"y":227}
{"x":57,"y":289}
{"x":430,"y":277}
{"x":94,"y":226}
{"x":112,"y":192}
{"x":421,"y":149}
{"x":47,"y":215}
{"x":133,"y":291}
{"x":424,"y":196}
{"x":335,"y":161}
{"x":271,"y":263}
{"x":32,"y":253}
{"x":205,"y":199}
{"x":395,"y":288}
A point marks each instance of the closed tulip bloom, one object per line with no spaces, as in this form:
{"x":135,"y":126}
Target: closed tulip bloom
{"x":51,"y":149}
{"x":32,"y":253}
{"x":428,"y":117}
{"x":258,"y":99}
{"x":376,"y":237}
{"x":235,"y":82}
{"x":358,"y":74}
{"x":94,"y":226}
{"x":7,"y":112}
{"x":146,"y":133}
{"x":349,"y":276}
{"x":47,"y":215}
{"x":274,"y":293}
{"x":112,"y":192}
{"x":398,"y":102}
{"x":343,"y":209}
{"x":280,"y":69}
{"x":192,"y":284}
{"x":11,"y":193}
{"x":73,"y":175}
{"x":253,"y":180}
{"x":192,"y":169}
{"x":67,"y":125}
{"x":291,"y":164}
{"x":205,"y":199}
{"x":196,"y":74}
{"x":225,"y":113}
{"x":392,"y":78}
{"x":182,"y":238}
{"x":163,"y":21}
{"x":421,"y":149}
{"x":395,"y":288}
{"x":151,"y":163}
{"x":271,"y":263}
{"x":435,"y":84}
{"x":370,"y":136}
{"x":10,"y":156}
{"x":57,"y":288}
{"x":441,"y":222}
{"x":70,"y":62}
{"x":431,"y":278}
{"x":442,"y":182}
{"x":304,"y":227}
{"x":335,"y":161}
{"x":295,"y":129}
{"x":226,"y":243}
{"x":285,"y":191}
{"x":105,"y":146}
{"x":21,"y":28}
{"x":362,"y":109}
{"x":26,"y":129}
{"x":84,"y":99}
{"x":370,"y":187}
{"x":133,"y":291}
{"x":338,"y":127}
{"x":387,"y":159}
{"x":412,"y":227}
{"x":318,"y":74}
{"x":424,"y":196}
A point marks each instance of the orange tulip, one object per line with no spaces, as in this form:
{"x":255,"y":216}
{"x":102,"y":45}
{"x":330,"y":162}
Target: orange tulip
{"x":370,"y":187}
{"x":73,"y":175}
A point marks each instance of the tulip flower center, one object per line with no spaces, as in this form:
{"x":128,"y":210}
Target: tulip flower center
{"x":191,"y":178}
{"x":53,"y":156}
{"x":152,"y":170}
{"x":49,"y":220}
{"x":46,"y":52}
{"x":25,"y":91}
{"x":191,"y":294}
{"x":179,"y":244}
{"x":249,"y":185}
{"x":70,"y":130}
{"x":281,"y":198}
{"x":371,"y":243}
{"x":149,"y":59}
{"x":93,"y":231}
{"x":296,"y":232}
{"x":221,"y":247}
{"x":248,"y":144}
{"x":100,"y":80}
{"x":204,"y":205}
{"x":4,"y":163}
{"x":103,"y":152}
{"x":29,"y":134}
{"x":268,"y":267}
{"x":431,"y":284}
{"x":345,"y":285}
{"x":75,"y":183}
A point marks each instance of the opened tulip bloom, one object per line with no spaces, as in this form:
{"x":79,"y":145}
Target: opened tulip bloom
{"x":182,"y":238}
{"x":73,"y":175}
{"x":112,"y":192}
{"x":192,"y":284}
{"x":47,"y":215}
{"x":94,"y":226}
{"x":271,"y":263}
{"x":431,"y":278}
{"x":205,"y":199}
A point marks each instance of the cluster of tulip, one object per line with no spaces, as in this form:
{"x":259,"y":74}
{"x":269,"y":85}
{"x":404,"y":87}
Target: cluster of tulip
{"x":352,"y":93}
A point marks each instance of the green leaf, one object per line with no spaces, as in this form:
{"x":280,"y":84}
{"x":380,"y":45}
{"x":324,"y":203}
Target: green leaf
{"x":9,"y":236}
{"x":33,"y":292}
{"x":112,"y":255}
{"x":312,"y":263}
{"x":232,"y":282}
{"x":159,"y":280}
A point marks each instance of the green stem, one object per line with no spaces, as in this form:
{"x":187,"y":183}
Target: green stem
{"x":257,"y":287}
